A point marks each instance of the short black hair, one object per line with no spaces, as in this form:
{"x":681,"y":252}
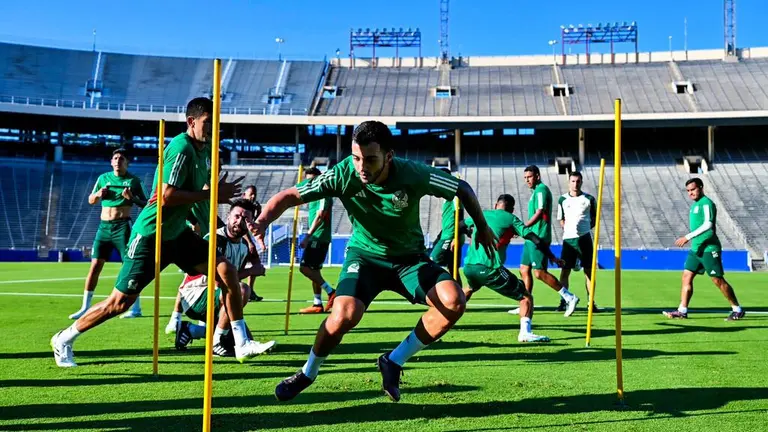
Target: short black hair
{"x":120,"y":151}
{"x":576,"y":174}
{"x":697,"y":181}
{"x":199,"y":106}
{"x":243,"y":204}
{"x":250,"y":187}
{"x":373,"y":131}
{"x":509,"y":201}
{"x":533,"y":169}
{"x":312,"y":171}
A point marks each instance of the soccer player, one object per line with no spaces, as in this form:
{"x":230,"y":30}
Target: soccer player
{"x":577,"y":212}
{"x":185,"y":173}
{"x":481,"y":270}
{"x":254,"y":260}
{"x":381,"y":193}
{"x":315,"y":245}
{"x":193,"y":290}
{"x":443,"y":247}
{"x":706,"y":252}
{"x":540,"y":223}
{"x":118,"y":191}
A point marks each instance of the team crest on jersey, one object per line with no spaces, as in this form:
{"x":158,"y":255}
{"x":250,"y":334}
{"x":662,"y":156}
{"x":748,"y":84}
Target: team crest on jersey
{"x":400,"y":199}
{"x":353,"y":268}
{"x":695,"y":209}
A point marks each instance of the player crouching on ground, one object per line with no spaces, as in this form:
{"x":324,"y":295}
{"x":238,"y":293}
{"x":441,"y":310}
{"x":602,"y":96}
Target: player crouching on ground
{"x":194,"y":289}
{"x":481,"y":270}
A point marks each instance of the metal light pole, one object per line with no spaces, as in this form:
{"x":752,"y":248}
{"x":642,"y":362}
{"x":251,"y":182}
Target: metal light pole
{"x":279,"y":42}
{"x":552,"y":43}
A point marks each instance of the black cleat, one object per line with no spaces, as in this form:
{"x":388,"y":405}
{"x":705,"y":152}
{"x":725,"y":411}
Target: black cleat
{"x":290,"y":387}
{"x":183,"y":336}
{"x":255,"y":297}
{"x":390,"y":377}
{"x":735,"y":316}
{"x":219,"y":350}
{"x":562,"y":306}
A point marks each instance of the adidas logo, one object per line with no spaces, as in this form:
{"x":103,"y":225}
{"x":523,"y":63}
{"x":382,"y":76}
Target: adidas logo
{"x":713,"y":272}
{"x":360,"y":194}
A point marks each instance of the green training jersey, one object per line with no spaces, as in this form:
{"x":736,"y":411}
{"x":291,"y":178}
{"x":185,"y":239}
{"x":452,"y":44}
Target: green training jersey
{"x":541,"y":199}
{"x":448,"y":225}
{"x":385,"y":218}
{"x":199,"y":214}
{"x":504,"y":224}
{"x":115,"y":185}
{"x":702,"y":211}
{"x":185,"y":168}
{"x":323,"y":231}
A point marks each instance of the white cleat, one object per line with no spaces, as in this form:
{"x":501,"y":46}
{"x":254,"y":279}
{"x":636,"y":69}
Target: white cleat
{"x":132,"y":313}
{"x":570,"y":306}
{"x":515,"y":311}
{"x":78,"y":314}
{"x":530,"y":337}
{"x":252,"y":349}
{"x":172,"y":326}
{"x":62,"y":353}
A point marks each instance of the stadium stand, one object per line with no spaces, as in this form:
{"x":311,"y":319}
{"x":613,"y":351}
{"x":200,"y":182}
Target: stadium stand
{"x":21,"y":203}
{"x":722,"y":86}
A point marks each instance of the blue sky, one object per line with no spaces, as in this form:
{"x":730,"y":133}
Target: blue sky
{"x":312,"y":29}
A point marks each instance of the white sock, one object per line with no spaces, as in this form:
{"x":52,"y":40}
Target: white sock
{"x":736,"y":308}
{"x":312,"y":367}
{"x":682,"y":309}
{"x":525,"y":325}
{"x":69,"y":335}
{"x":238,"y":331}
{"x":136,"y":307}
{"x":201,"y":323}
{"x":175,"y":316}
{"x":565,"y":294}
{"x":407,"y":348}
{"x":327,"y":287}
{"x":87,"y":297}
{"x":218,"y":333}
{"x":197,"y":332}
{"x":318,"y":301}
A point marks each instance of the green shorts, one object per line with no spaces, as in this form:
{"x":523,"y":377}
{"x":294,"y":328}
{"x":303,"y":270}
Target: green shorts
{"x":579,"y":248}
{"x":111,"y":235}
{"x":138,"y":270}
{"x":442,"y":253}
{"x":364,"y":276}
{"x":533,"y":257}
{"x":315,"y":254}
{"x":198,"y":310}
{"x":500,"y":280}
{"x":706,"y":262}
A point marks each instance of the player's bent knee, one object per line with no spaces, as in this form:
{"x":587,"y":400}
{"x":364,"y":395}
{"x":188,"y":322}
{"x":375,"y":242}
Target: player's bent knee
{"x":539,"y":274}
{"x":450,"y":297}
{"x":118,"y":303}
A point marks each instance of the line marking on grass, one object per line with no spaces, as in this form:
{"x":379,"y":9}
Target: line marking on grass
{"x":381,"y":302}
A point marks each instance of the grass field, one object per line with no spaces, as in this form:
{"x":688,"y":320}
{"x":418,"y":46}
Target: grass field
{"x":700,"y":374}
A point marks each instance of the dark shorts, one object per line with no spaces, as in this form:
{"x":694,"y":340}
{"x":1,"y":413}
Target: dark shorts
{"x":199,"y":310}
{"x":578,"y":249}
{"x":364,"y":276}
{"x":111,"y":235}
{"x":138,"y":270}
{"x":315,"y":254}
{"x":442,"y":253}
{"x":533,"y":257}
{"x":500,"y":280}
{"x":706,"y":262}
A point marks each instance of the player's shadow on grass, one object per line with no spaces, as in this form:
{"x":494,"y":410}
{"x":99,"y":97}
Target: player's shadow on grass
{"x":651,"y":404}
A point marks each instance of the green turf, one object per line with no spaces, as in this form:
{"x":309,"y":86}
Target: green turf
{"x":700,"y":374}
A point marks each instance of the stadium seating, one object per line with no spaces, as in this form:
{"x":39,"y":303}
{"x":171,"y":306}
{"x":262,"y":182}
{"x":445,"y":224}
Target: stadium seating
{"x":724,"y":86}
{"x":22,"y":207}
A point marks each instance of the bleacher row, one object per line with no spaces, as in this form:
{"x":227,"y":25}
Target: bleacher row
{"x":34,"y":197}
{"x":48,"y":75}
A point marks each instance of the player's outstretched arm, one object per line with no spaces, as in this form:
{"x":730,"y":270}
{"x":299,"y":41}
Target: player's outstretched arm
{"x":483,"y":234}
{"x":276,"y":206}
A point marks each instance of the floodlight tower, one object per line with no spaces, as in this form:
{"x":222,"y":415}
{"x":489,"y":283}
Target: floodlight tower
{"x":730,"y":27}
{"x":444,"y":49}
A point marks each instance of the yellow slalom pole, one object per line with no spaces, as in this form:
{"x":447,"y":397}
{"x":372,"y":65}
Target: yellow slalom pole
{"x":593,"y":279}
{"x":293,"y":256}
{"x":456,"y":245}
{"x":158,"y":245}
{"x":617,"y":248}
{"x":214,"y":185}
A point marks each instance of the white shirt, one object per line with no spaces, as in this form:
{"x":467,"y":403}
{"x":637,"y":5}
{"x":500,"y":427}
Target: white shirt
{"x":577,"y":211}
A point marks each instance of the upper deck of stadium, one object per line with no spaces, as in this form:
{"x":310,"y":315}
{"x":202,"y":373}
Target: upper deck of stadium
{"x":679,"y":86}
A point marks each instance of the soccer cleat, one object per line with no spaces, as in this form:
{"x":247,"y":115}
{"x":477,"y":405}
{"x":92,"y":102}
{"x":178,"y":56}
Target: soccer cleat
{"x":183,"y":336}
{"x":220,"y":350}
{"x":562,"y":306}
{"x":62,"y":353}
{"x":290,"y":387}
{"x":78,"y":314}
{"x":132,"y":313}
{"x":172,"y":327}
{"x":255,"y":297}
{"x":571,"y":306}
{"x":735,"y":316}
{"x":515,"y":311}
{"x":390,"y":377}
{"x":676,"y":314}
{"x":596,"y":309}
{"x":331,"y":298}
{"x":530,"y":337}
{"x":577,"y":266}
{"x":314,"y":309}
{"x":252,"y":349}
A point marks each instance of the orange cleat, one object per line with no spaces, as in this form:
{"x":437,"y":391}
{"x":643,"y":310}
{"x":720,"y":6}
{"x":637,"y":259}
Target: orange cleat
{"x":314,"y":309}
